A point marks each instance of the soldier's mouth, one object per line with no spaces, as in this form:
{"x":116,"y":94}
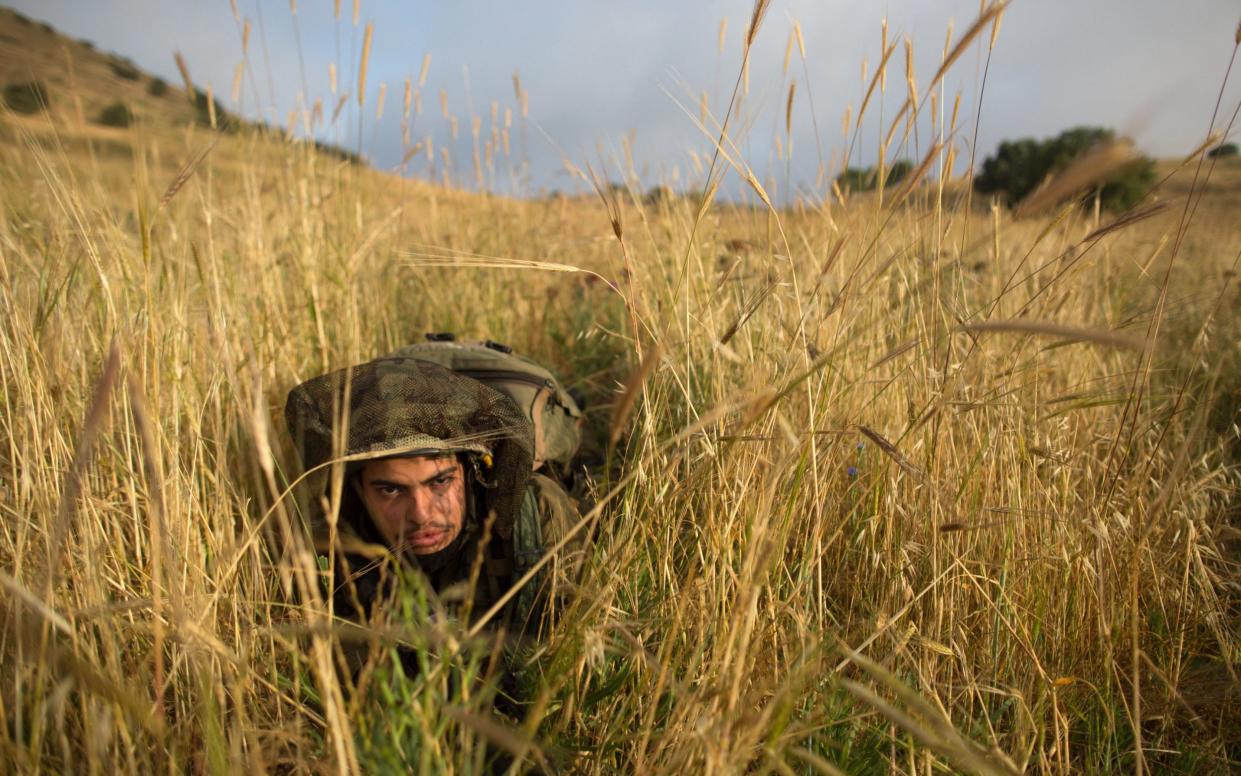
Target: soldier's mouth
{"x":426,"y":539}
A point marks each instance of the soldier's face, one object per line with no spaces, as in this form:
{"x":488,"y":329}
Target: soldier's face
{"x":418,"y":503}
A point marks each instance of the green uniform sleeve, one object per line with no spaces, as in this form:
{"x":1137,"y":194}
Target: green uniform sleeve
{"x":547,"y":515}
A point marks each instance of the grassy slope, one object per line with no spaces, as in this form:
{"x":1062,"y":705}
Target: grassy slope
{"x":1005,"y":557}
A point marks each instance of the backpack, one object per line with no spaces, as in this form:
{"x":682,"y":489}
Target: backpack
{"x":556,"y":415}
{"x":554,"y":412}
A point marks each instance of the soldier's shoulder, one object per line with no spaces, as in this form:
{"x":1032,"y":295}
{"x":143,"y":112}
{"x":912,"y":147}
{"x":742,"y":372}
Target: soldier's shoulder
{"x":555,"y":506}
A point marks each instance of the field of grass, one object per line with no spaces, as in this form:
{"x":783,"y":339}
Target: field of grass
{"x":909,"y":485}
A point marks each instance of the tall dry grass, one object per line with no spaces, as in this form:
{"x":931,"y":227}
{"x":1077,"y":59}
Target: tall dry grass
{"x":899,"y":484}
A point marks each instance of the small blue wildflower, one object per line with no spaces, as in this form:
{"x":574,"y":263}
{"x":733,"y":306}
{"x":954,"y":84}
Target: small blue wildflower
{"x":852,"y":470}
{"x":861,"y":445}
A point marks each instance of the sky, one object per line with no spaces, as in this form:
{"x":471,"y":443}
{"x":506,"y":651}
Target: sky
{"x":604,"y":78}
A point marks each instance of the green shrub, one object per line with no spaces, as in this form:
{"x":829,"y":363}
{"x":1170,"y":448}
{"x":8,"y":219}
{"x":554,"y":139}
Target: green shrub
{"x":867,"y":178}
{"x":124,"y":69}
{"x":224,"y":120}
{"x":116,"y":115}
{"x":337,"y":152}
{"x":26,"y":97}
{"x":658,"y":195}
{"x":158,"y":87}
{"x":1021,"y":166}
{"x":1225,"y":151}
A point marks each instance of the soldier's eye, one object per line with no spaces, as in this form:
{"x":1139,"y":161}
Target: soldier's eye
{"x":387,"y":490}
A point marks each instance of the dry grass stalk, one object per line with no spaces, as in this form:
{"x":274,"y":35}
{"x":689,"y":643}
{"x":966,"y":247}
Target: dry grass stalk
{"x":1049,"y":329}
{"x":891,"y":451}
{"x":874,"y":81}
{"x":411,"y":153}
{"x":96,"y":415}
{"x":366,"y":57}
{"x":1127,"y":219}
{"x":211,"y":116}
{"x":1090,"y":169}
{"x":788,"y":108}
{"x":424,"y":69}
{"x":756,"y":20}
{"x":745,"y":314}
{"x":628,"y":398}
{"x":988,"y":14}
{"x":930,"y":726}
{"x":512,"y":740}
{"x":340,"y":105}
{"x":185,"y":74}
{"x":185,"y":173}
{"x":904,"y":347}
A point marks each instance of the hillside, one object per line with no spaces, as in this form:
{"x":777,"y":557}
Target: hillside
{"x":81,"y":80}
{"x":78,"y":83}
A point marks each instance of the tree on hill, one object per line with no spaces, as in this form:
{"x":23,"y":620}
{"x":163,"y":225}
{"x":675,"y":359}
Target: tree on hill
{"x":1224,"y":151}
{"x":658,"y":195}
{"x":26,"y":97}
{"x":125,"y":69}
{"x":336,"y":151}
{"x":203,"y":108}
{"x":867,"y":178}
{"x":1021,"y":166}
{"x":116,"y":115}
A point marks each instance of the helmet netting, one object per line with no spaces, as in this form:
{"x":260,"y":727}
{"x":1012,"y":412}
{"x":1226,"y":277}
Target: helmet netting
{"x":402,"y":405}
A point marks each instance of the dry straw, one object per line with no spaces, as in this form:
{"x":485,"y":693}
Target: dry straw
{"x":185,"y":73}
{"x":366,"y":56}
{"x":629,"y":396}
{"x":185,"y":173}
{"x":788,"y":109}
{"x":1098,"y":336}
{"x":422,"y":71}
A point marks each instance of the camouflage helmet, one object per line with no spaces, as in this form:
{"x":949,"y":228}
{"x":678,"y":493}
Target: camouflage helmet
{"x":401,"y":406}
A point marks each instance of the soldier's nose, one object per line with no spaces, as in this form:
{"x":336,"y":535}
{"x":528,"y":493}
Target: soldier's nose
{"x":416,"y":511}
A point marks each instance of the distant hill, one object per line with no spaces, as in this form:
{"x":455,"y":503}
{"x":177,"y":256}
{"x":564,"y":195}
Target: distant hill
{"x":88,"y":93}
{"x":80,"y":81}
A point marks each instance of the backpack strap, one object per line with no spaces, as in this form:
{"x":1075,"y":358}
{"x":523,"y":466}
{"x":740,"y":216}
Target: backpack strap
{"x":537,"y":411}
{"x":499,"y":566}
{"x":528,"y":549}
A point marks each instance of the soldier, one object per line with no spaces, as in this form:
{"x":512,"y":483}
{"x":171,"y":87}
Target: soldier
{"x":437,"y":475}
